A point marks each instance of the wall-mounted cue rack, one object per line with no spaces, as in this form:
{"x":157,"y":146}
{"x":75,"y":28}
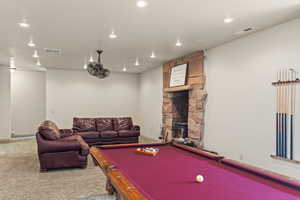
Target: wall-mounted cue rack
{"x":285,"y":114}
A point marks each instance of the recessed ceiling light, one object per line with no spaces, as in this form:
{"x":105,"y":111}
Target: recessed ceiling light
{"x":124,"y":69}
{"x":152,"y":55}
{"x":113,"y":35}
{"x":35,"y":54}
{"x":141,"y":3}
{"x":24,"y":24}
{"x":38,"y":63}
{"x":178,"y":43}
{"x":30,"y":43}
{"x":228,"y":20}
{"x":85,"y":66}
{"x":137,"y":63}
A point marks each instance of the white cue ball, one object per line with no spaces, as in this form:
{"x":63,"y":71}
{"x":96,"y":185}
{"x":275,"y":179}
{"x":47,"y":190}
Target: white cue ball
{"x":199,"y":178}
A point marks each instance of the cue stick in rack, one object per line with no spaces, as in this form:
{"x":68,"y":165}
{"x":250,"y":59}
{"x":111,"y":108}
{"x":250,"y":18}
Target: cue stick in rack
{"x":285,"y":112}
{"x":281,"y":115}
{"x":293,"y":100}
{"x":277,"y":117}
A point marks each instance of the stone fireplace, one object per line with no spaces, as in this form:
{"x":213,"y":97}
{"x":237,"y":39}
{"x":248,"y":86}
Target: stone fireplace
{"x":184,"y":106}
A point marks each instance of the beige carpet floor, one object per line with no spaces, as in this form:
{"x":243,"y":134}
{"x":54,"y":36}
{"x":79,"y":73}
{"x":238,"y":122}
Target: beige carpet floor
{"x":20,"y":178}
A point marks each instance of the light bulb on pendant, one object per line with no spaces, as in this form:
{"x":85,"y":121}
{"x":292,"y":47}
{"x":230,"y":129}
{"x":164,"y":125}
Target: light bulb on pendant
{"x":178,"y":43}
{"x":152,"y":55}
{"x":91,"y":59}
{"x":85,"y":66}
{"x":38,"y":63}
{"x":35,"y":54}
{"x":124,"y":69}
{"x":24,"y":24}
{"x":113,"y":35}
{"x":137,"y":63}
{"x":31,"y":43}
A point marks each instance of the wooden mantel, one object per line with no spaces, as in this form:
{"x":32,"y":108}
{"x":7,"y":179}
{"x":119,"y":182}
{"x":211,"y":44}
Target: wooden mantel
{"x":178,"y":89}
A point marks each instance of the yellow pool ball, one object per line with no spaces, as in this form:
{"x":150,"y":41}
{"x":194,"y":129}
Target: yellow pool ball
{"x":199,"y":178}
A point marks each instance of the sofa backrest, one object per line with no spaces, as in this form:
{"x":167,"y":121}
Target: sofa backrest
{"x":123,"y":123}
{"x":49,"y":130}
{"x":101,"y":124}
{"x":105,"y":124}
{"x":84,"y":124}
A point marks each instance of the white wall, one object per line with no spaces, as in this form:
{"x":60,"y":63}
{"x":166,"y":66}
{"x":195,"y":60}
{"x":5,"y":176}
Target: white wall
{"x":28,"y":101}
{"x":151,"y":97}
{"x":240,"y":117}
{"x":76,"y":93}
{"x":5,"y":112}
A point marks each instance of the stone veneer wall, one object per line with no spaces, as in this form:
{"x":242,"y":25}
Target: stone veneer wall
{"x":197,"y":97}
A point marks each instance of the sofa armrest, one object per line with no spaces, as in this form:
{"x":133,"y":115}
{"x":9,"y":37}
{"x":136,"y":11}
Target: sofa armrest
{"x":66,"y":132}
{"x":49,"y":146}
{"x":135,"y":127}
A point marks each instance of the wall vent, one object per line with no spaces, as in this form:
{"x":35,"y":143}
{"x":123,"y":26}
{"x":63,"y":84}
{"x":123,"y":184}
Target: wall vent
{"x":244,"y":31}
{"x":52,"y":51}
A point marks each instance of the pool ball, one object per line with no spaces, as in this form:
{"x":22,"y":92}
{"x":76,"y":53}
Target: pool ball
{"x":199,"y":178}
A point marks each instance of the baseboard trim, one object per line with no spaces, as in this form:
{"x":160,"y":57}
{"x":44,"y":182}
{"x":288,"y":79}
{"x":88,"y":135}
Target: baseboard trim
{"x":4,"y":141}
{"x":149,"y":138}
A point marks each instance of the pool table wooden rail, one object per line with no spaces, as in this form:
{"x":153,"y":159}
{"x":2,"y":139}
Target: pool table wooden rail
{"x":115,"y":179}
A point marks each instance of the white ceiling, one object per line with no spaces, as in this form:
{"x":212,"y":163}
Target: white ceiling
{"x":78,"y":27}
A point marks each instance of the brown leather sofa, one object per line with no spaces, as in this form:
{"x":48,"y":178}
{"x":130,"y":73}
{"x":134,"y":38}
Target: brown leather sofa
{"x":106,"y":130}
{"x":59,"y":148}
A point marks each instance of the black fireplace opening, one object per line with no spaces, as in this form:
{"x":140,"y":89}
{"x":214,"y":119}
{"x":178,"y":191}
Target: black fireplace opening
{"x":180,"y":101}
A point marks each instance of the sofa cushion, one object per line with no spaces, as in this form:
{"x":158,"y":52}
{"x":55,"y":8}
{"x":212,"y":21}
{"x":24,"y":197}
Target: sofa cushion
{"x":89,"y":134}
{"x":108,"y":134}
{"x":104,"y":124}
{"x":84,"y":124}
{"x":49,"y":130}
{"x":129,"y":133}
{"x":123,"y":123}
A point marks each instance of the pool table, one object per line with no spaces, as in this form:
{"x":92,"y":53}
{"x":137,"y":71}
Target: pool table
{"x":172,"y":172}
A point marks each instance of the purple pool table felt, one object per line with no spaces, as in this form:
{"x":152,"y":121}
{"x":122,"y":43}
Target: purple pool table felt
{"x":171,"y":174}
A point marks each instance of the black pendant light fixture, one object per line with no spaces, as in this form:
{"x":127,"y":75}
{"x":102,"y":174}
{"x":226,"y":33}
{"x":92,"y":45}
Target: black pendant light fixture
{"x":97,"y":69}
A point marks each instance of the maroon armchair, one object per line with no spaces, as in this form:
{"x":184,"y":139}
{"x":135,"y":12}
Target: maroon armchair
{"x":59,"y":148}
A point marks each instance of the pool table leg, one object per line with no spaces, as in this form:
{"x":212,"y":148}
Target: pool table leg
{"x":109,"y":188}
{"x":119,"y":197}
{"x":94,"y":161}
